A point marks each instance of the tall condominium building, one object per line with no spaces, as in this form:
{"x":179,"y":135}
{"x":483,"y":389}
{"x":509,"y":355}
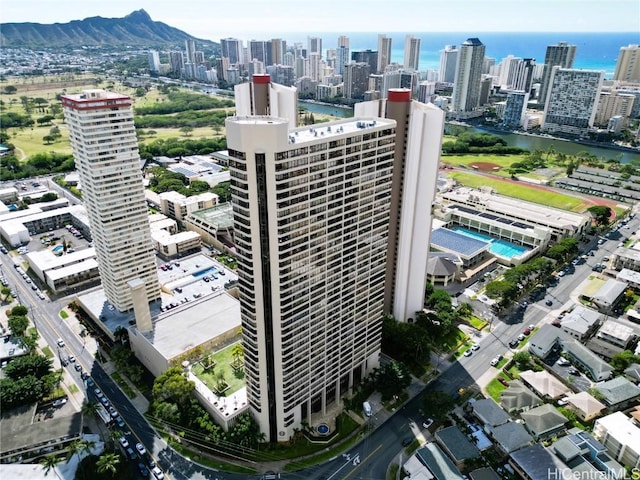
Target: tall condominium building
{"x":342,"y":54}
{"x":314,"y":45}
{"x":384,"y":52}
{"x":176,"y":61}
{"x":258,"y":51}
{"x":311,"y":220}
{"x":515,"y":109}
{"x":232,"y":49}
{"x":628,"y":65}
{"x":399,"y":79}
{"x":466,"y":87}
{"x":105,"y":149}
{"x":448,"y":61}
{"x":190,"y":47}
{"x":419,"y":129}
{"x":561,"y":55}
{"x":572,"y":100}
{"x":366,"y":56}
{"x":261,"y":97}
{"x":614,"y":104}
{"x":411,"y":53}
{"x":356,"y":80}
{"x":154,"y":60}
{"x":278,"y":48}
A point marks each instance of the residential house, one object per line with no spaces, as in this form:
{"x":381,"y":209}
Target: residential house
{"x":632,"y":372}
{"x":545,"y":340}
{"x":618,"y":393}
{"x":456,"y":445}
{"x":583,"y":454}
{"x":585,"y":406}
{"x":609,"y":295}
{"x":616,"y":333}
{"x":621,"y":438}
{"x":544,"y":384}
{"x":486,"y":473}
{"x":581,"y":322}
{"x":537,"y":463}
{"x":439,"y":466}
{"x":517,"y":398}
{"x":489,"y":412}
{"x":543,"y":421}
{"x":510,"y":437}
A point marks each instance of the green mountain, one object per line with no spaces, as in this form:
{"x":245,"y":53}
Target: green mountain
{"x":136,"y":29}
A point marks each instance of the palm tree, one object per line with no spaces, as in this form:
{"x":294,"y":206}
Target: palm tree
{"x":237,"y":351}
{"x":108,"y":463}
{"x":78,"y":447}
{"x":49,"y":463}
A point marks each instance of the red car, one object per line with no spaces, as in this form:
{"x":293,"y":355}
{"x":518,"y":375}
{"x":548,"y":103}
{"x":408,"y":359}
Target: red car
{"x":503,"y":381}
{"x":526,"y":331}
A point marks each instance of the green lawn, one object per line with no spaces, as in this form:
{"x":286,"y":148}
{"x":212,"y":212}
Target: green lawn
{"x":222,"y":359}
{"x":494,"y":389}
{"x":46,"y":351}
{"x":477,"y":323}
{"x":453,"y":340}
{"x":523,"y":192}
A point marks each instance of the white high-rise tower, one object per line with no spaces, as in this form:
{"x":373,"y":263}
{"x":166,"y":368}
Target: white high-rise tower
{"x":105,"y":149}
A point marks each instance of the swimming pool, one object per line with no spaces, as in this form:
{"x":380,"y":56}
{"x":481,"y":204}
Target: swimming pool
{"x":206,"y":272}
{"x":58,"y":248}
{"x":498,"y":247}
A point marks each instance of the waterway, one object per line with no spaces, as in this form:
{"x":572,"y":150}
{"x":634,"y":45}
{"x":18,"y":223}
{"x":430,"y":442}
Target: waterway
{"x":528,"y":142}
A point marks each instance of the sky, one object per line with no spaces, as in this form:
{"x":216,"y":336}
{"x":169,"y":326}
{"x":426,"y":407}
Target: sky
{"x":248,"y":19}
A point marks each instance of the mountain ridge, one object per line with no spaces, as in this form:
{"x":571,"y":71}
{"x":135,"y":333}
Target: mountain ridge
{"x":135,"y":29}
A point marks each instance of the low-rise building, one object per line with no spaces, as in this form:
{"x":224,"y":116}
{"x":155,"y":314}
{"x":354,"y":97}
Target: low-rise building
{"x":623,"y":257}
{"x":618,"y":393}
{"x":588,"y":361}
{"x":616,"y":333}
{"x":581,"y":322}
{"x":544,"y":421}
{"x":489,"y":412}
{"x":518,"y":398}
{"x":438,"y":465}
{"x":585,"y":406}
{"x":621,"y":438}
{"x":179,"y":207}
{"x":544,"y":384}
{"x":456,"y":445}
{"x":609,"y":295}
{"x":510,"y":436}
{"x":586,"y":457}
{"x":537,"y":463}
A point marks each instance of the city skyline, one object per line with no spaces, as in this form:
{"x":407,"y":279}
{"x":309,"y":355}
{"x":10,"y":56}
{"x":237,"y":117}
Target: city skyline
{"x":246,"y":18}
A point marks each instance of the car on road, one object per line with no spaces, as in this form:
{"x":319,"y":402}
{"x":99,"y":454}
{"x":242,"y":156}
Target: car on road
{"x":475,"y":346}
{"x":526,"y":331}
{"x":113,"y":412}
{"x":124,"y":442}
{"x":427,"y":423}
{"x":503,"y":381}
{"x":406,"y":441}
{"x":144,"y":471}
{"x":60,"y":343}
{"x":120,"y":422}
{"x":514,"y":343}
{"x":468,"y":352}
{"x":71,"y":359}
{"x":140,"y":448}
{"x":548,"y":303}
{"x":157,"y":473}
{"x":521,"y":337}
{"x":77,"y":367}
{"x":131,"y":454}
{"x":496,"y":360}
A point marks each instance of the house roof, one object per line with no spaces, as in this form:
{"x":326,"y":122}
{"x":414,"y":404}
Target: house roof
{"x":543,"y":419}
{"x":609,"y":292}
{"x":598,"y":366}
{"x":518,"y":397}
{"x":457,"y":444}
{"x":438,"y":463}
{"x":511,"y":436}
{"x":543,"y":340}
{"x":580,"y":320}
{"x":603,"y":348}
{"x":586,"y":403}
{"x":538,"y":462}
{"x":617,"y":390}
{"x":485,"y":473}
{"x":633,"y":371}
{"x":440,"y":266}
{"x":616,"y":330}
{"x":489,"y":412}
{"x":544,"y":383}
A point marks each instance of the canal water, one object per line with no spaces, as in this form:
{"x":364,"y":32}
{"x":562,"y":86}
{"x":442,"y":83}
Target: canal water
{"x":528,"y":142}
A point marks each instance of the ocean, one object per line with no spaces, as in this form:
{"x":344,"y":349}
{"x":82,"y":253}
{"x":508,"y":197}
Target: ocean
{"x":595,"y":51}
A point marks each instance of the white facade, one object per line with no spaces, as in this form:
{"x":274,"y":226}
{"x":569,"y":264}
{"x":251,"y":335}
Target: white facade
{"x":311,"y":220}
{"x":621,"y":438}
{"x":448,"y":61}
{"x":628,"y":65}
{"x":384,"y":52}
{"x":572,"y":100}
{"x":105,"y":149}
{"x":262,"y":97}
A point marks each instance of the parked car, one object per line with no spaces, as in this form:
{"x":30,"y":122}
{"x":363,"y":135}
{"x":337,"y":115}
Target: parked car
{"x":140,"y":448}
{"x":427,"y":423}
{"x":59,"y":402}
{"x":548,"y":303}
{"x":475,"y":346}
{"x":503,"y":381}
{"x":563,"y":401}
{"x":514,"y":343}
{"x":574,"y":371}
{"x":563,"y":362}
{"x":157,"y":473}
{"x":468,"y":352}
{"x":124,"y":442}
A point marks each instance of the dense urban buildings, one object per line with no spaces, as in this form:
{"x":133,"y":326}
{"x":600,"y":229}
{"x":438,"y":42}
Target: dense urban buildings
{"x":311,"y":220}
{"x":105,"y":150}
{"x":560,"y":55}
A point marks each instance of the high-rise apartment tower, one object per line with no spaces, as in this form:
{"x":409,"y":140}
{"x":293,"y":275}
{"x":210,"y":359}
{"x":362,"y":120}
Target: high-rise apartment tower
{"x":105,"y":149}
{"x":628,"y":65}
{"x":411,"y":53}
{"x":560,"y":55}
{"x":466,"y":88}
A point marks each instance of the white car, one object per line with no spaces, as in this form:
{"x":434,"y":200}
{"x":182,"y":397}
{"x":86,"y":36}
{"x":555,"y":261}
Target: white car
{"x":157,"y":473}
{"x":563,"y":401}
{"x":427,"y":423}
{"x":141,"y":449}
{"x":468,"y":353}
{"x":475,"y":346}
{"x":494,"y":361}
{"x":124,"y":442}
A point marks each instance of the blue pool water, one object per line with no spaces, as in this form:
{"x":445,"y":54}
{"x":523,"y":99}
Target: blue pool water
{"x":58,"y":248}
{"x":206,"y":272}
{"x":498,"y":247}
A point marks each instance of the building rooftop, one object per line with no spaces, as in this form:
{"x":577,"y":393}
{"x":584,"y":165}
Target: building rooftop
{"x":518,"y":397}
{"x":486,"y":473}
{"x":463,"y":245}
{"x":457,"y":443}
{"x":538,"y":463}
{"x":586,"y":403}
{"x":629,"y":276}
{"x":543,"y":419}
{"x":220,"y":216}
{"x":581,"y":320}
{"x":609,"y":293}
{"x":611,"y":328}
{"x":438,"y":463}
{"x":544,"y":383}
{"x":622,"y":428}
{"x":489,"y":412}
{"x":598,"y":367}
{"x":617,"y":390}
{"x":511,"y":436}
